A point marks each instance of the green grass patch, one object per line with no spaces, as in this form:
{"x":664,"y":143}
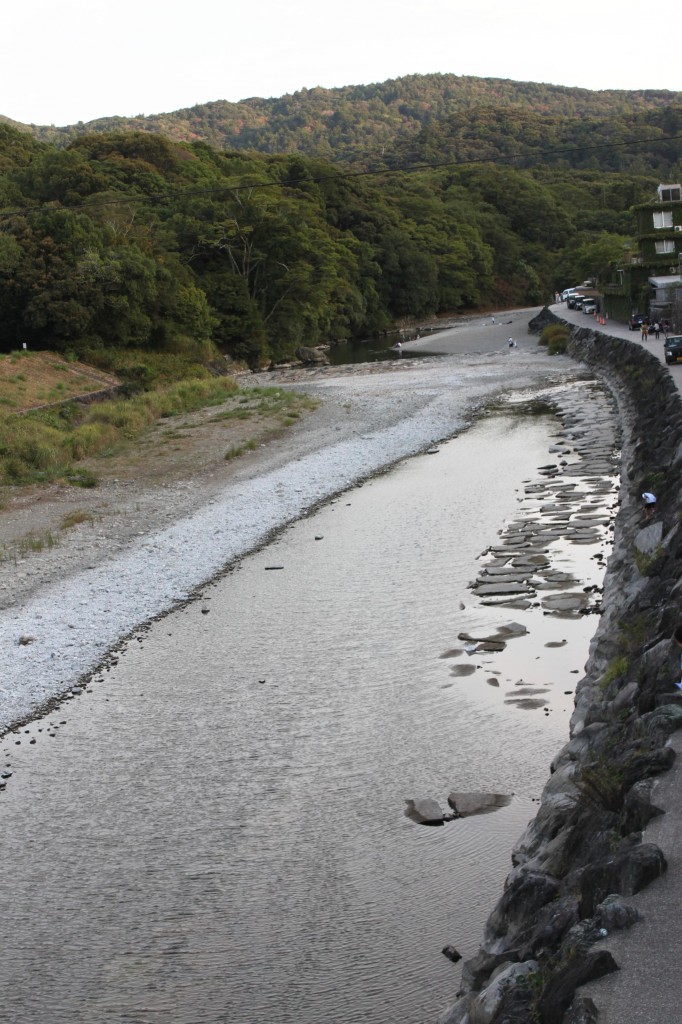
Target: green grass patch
{"x":43,"y":445}
{"x":616,"y":668}
{"x":36,"y":542}
{"x":47,"y":444}
{"x":82,"y":478}
{"x":648,"y":565}
{"x":556,"y":338}
{"x":75,"y":518}
{"x":240,"y":449}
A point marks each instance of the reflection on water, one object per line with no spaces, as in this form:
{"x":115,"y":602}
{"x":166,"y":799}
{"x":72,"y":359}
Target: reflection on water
{"x":216,"y":832}
{"x":369,"y":350}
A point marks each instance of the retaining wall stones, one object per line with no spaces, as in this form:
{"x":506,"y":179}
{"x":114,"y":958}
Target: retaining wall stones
{"x":583,"y":854}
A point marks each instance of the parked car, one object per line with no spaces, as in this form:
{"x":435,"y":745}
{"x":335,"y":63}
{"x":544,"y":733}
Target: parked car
{"x":673,"y":348}
{"x":636,"y":320}
{"x":589,"y":306}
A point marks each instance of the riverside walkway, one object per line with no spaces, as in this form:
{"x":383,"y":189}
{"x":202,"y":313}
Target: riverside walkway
{"x":646,"y":989}
{"x":619,"y":330}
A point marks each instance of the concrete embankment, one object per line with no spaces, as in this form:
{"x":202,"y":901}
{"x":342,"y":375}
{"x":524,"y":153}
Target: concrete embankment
{"x":568,"y":900}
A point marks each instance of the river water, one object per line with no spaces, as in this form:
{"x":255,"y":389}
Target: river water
{"x":215,"y":831}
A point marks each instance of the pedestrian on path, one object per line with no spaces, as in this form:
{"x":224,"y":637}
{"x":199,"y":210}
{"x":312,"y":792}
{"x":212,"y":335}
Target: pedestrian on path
{"x":645,"y":330}
{"x":657,"y":330}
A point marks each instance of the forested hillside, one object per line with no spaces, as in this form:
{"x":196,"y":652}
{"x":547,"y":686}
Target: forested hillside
{"x":359,"y":123}
{"x":124,"y":240}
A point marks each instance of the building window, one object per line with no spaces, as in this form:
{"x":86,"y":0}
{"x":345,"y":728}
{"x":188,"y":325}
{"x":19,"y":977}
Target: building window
{"x":670,"y":193}
{"x":663,"y":219}
{"x":666,"y":246}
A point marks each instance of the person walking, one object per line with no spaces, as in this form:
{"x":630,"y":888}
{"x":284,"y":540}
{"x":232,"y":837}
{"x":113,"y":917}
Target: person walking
{"x":657,"y":330}
{"x":645,"y":330}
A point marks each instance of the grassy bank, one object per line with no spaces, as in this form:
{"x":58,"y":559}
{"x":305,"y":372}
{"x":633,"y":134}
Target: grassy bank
{"x":49,"y":443}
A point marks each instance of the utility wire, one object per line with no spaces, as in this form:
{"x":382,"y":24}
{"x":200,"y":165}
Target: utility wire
{"x":164,"y":197}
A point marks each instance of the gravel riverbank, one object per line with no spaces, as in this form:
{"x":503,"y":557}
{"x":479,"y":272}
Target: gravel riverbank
{"x":154,"y":539}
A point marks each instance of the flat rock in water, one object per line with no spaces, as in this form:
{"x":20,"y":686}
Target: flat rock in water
{"x":466,"y":804}
{"x":424,"y":811}
{"x":508,"y":602}
{"x":564,"y":602}
{"x":527,"y":703}
{"x":508,"y":577}
{"x":463,"y":670}
{"x":487,"y":589}
{"x":512,"y":629}
{"x":499,"y":570}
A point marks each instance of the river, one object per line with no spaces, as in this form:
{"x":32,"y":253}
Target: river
{"x":215,"y":831}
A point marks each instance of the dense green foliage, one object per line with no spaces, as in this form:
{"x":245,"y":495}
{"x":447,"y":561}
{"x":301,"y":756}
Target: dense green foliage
{"x":556,"y":338}
{"x":115,"y":241}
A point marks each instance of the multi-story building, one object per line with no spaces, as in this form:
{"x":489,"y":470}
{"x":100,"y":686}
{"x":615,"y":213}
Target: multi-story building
{"x":651,"y":281}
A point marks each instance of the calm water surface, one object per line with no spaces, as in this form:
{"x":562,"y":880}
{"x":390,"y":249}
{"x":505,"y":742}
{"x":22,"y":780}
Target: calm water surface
{"x":216,"y":833}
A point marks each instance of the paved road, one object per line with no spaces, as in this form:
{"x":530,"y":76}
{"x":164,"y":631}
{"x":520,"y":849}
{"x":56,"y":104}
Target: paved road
{"x":480,"y":334}
{"x":618,"y":330}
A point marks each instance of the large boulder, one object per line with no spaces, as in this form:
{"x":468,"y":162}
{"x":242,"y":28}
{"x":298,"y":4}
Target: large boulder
{"x":513,"y":919}
{"x":312,"y":356}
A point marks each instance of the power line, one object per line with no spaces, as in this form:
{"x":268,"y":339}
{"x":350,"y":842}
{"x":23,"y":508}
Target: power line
{"x":164,"y":197}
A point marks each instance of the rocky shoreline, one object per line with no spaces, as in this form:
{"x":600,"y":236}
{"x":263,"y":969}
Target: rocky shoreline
{"x":584,"y":854}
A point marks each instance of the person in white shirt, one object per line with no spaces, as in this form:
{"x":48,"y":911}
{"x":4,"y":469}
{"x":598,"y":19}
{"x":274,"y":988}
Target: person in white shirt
{"x":649,"y":500}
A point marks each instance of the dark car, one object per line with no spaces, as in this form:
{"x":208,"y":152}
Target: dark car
{"x":673,"y":348}
{"x":636,"y":320}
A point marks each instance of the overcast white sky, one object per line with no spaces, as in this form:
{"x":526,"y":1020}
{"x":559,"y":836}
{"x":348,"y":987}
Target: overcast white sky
{"x":63,"y":61}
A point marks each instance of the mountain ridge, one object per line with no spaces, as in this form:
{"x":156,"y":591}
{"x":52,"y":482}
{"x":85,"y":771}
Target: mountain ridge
{"x":349,"y":123}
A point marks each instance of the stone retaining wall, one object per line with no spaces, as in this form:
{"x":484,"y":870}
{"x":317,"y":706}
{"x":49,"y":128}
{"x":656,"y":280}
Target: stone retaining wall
{"x":583,"y":854}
